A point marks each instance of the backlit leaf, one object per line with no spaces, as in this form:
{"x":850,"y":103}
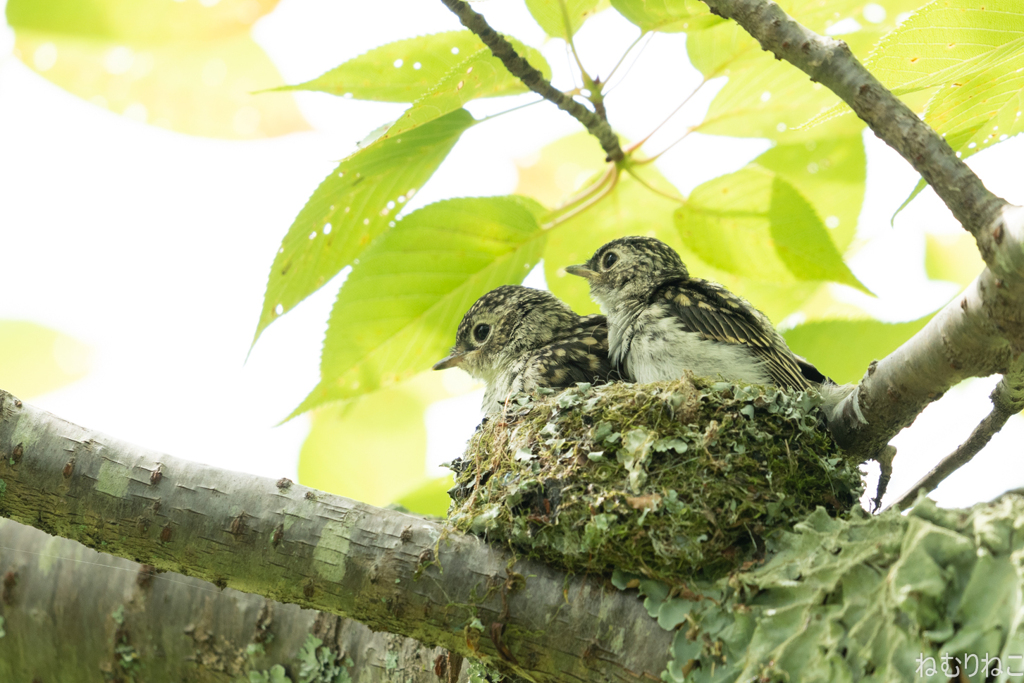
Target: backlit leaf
{"x":352,"y":206}
{"x":754,"y":224}
{"x":402,"y":71}
{"x":429,"y":498}
{"x":183,"y":66}
{"x":843,"y":349}
{"x":398,"y":311}
{"x":479,"y":75}
{"x":667,"y":16}
{"x":551,"y":17}
{"x":952,"y":257}
{"x":35,"y":359}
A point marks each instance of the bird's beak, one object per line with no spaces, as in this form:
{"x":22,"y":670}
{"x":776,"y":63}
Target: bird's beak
{"x":450,"y":361}
{"x":582,"y":271}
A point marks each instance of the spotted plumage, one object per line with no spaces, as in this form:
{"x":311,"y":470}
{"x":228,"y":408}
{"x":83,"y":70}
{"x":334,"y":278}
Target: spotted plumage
{"x":518,"y":339}
{"x":663,"y":322}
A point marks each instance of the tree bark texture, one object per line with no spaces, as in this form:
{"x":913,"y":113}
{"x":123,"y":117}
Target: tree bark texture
{"x":391,"y":571}
{"x":74,"y":615}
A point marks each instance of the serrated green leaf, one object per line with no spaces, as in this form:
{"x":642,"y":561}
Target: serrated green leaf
{"x":481,"y":74}
{"x":398,"y":311}
{"x":552,"y":15}
{"x":952,"y":257}
{"x":765,"y":97}
{"x":667,"y":16}
{"x":801,"y":240}
{"x":630,"y":209}
{"x":754,"y":224}
{"x":830,"y":173}
{"x":182,"y":66}
{"x":402,"y":71}
{"x":357,"y":200}
{"x":826,"y":343}
{"x":35,"y":359}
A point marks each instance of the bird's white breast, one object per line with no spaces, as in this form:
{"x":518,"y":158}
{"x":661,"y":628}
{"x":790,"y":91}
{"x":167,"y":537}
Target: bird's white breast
{"x":656,"y":348}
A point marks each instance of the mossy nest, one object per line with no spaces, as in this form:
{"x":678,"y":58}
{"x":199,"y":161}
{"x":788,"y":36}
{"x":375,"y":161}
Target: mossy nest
{"x":671,"y":480}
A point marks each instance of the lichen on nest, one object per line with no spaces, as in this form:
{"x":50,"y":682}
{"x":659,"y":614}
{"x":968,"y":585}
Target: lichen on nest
{"x":671,"y":480}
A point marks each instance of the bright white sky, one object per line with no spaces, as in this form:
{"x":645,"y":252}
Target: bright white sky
{"x":154,"y":247}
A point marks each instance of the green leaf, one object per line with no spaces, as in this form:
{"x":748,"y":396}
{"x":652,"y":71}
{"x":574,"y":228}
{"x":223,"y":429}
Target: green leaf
{"x":402,"y":71}
{"x":918,"y":189}
{"x":667,"y":16}
{"x":801,"y":240}
{"x":630,"y":209}
{"x":386,"y":429}
{"x":429,"y":498}
{"x":398,"y":311}
{"x":357,"y":200}
{"x":479,"y":75}
{"x":35,"y":359}
{"x":826,"y":343}
{"x":830,"y":174}
{"x":765,"y":97}
{"x":552,"y":17}
{"x":183,"y":66}
{"x":952,"y":257}
{"x":754,"y":224}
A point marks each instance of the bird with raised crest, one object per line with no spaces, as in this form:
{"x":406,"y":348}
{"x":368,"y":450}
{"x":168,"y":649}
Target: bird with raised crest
{"x":663,"y":322}
{"x":518,"y":339}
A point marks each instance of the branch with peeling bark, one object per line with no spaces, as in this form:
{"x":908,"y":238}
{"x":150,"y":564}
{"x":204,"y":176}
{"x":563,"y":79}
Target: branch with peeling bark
{"x":979,"y":334}
{"x":391,"y":571}
{"x":534,"y":79}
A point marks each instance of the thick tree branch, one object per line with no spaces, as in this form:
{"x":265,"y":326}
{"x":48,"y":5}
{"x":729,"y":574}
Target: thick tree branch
{"x":830,"y":62}
{"x":390,"y":571}
{"x":74,"y":615}
{"x":534,"y":79}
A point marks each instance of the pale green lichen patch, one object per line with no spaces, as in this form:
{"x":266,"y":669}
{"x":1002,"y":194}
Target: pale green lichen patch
{"x":113,"y":478}
{"x":332,"y":549}
{"x":918,"y":598}
{"x":670,"y":480}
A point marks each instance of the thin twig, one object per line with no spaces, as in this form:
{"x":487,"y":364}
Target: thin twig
{"x":534,"y":79}
{"x":981,"y":435}
{"x":831,"y":63}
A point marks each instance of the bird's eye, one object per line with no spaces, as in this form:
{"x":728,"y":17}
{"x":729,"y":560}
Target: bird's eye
{"x":480,"y":332}
{"x":609,"y":260}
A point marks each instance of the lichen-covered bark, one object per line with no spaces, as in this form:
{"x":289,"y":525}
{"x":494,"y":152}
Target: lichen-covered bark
{"x":74,"y":615}
{"x":390,"y":571}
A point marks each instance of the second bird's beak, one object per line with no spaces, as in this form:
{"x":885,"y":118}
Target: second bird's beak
{"x":450,"y":361}
{"x":582,"y":271}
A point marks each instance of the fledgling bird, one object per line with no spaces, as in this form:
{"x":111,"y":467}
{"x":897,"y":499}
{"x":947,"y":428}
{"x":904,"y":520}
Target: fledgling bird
{"x":520,"y":339}
{"x":662,"y":322}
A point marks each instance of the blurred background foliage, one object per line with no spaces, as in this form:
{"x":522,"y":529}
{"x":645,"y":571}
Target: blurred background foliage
{"x":775,"y":231}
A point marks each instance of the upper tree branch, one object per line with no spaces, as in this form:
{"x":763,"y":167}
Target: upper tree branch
{"x":534,"y":79}
{"x":831,"y":63}
{"x":390,"y":571}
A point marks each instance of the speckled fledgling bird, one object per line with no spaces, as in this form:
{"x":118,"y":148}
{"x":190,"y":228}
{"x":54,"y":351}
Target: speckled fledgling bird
{"x":519,"y":339}
{"x":662,"y":322}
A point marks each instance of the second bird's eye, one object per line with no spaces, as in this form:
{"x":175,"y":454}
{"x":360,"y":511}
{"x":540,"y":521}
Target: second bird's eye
{"x":609,"y":260}
{"x":481,"y":331}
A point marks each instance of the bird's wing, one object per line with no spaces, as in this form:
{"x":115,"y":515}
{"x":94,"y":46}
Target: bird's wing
{"x":719,"y":315}
{"x":580,"y":356}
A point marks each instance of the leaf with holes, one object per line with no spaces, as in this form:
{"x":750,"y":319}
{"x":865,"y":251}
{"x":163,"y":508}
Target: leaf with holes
{"x":402,"y":71}
{"x":829,"y":344}
{"x":352,"y":206}
{"x":551,"y":17}
{"x":398,"y":311}
{"x":754,"y":224}
{"x":481,"y":74}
